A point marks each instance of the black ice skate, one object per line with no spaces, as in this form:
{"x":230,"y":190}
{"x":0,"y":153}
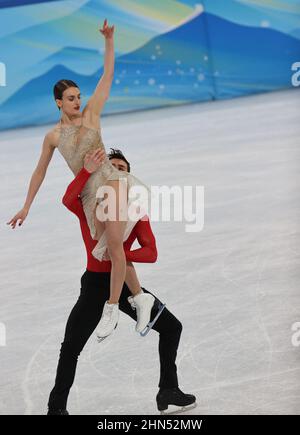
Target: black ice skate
{"x":174,"y":396}
{"x":57,"y":412}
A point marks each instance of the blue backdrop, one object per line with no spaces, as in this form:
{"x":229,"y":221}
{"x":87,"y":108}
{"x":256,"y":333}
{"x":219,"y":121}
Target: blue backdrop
{"x":167,"y":52}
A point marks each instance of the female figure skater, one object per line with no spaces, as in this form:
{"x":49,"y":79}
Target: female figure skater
{"x":75,"y":135}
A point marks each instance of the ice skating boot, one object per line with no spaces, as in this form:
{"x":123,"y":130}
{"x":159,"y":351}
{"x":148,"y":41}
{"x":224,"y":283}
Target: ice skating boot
{"x":108,"y":321}
{"x":156,"y":310}
{"x":174,"y":396}
{"x":143,"y":303}
{"x":57,"y":412}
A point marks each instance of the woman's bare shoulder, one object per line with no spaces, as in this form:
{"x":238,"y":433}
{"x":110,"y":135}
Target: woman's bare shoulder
{"x":52,"y":136}
{"x":90,"y":119}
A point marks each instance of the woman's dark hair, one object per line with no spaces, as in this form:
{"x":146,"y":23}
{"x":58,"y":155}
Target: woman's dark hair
{"x":117,"y":154}
{"x":61,"y":86}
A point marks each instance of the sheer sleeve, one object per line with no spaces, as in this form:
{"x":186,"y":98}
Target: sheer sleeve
{"x":147,"y":253}
{"x":71,"y":197}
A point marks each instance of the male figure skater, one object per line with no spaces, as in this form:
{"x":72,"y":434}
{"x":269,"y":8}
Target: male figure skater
{"x":95,"y":284}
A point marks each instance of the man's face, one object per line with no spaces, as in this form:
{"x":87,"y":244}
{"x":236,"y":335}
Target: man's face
{"x":119,"y":164}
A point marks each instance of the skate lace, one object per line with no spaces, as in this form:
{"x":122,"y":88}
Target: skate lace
{"x":131,"y":301}
{"x":107,"y":313}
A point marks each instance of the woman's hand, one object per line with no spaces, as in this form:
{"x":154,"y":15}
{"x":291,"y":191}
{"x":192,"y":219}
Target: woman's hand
{"x":107,"y":32}
{"x":20,"y":216}
{"x":94,"y":159}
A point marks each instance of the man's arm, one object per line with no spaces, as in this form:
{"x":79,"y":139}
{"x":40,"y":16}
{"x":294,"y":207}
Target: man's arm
{"x":71,"y":197}
{"x":147,"y":253}
{"x":92,"y":161}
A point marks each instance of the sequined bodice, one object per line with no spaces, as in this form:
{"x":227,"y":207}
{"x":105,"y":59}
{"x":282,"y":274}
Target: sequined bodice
{"x":75,"y":141}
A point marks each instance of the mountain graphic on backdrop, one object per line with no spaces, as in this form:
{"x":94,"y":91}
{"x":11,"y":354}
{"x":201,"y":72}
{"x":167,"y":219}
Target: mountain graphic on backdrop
{"x":84,"y":60}
{"x":9,"y":3}
{"x":173,"y":68}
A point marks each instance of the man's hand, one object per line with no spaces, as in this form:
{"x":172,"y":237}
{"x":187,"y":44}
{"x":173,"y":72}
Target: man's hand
{"x":94,"y":159}
{"x":107,"y":32}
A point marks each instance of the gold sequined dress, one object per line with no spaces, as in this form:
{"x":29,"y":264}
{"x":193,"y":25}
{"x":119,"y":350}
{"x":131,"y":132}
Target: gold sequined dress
{"x":75,"y":141}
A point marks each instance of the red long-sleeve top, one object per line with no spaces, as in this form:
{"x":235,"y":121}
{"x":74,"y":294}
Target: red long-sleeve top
{"x":147,"y":253}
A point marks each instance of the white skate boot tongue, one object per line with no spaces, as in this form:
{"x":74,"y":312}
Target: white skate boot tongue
{"x":131,"y":298}
{"x":108,"y":321}
{"x":144,"y":303}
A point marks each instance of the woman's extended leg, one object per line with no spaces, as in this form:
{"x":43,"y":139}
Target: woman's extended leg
{"x":132,"y":280}
{"x":111,"y":217}
{"x":115,"y":227}
{"x":114,"y":237}
{"x":115,"y":224}
{"x":114,"y":215}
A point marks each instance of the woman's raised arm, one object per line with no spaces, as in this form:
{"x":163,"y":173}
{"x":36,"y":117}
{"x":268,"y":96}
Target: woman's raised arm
{"x":35,"y":181}
{"x":101,"y":93}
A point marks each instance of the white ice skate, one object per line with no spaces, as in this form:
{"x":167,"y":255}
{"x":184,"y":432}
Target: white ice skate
{"x":108,"y":321}
{"x":145,"y":303}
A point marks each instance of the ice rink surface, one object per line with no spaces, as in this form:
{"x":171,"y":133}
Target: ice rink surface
{"x":234,"y":285}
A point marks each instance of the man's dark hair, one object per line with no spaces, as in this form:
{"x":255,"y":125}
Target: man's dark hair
{"x":117,"y":154}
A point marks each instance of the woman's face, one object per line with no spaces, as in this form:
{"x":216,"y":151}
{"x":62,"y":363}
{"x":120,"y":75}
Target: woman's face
{"x":70,"y":103}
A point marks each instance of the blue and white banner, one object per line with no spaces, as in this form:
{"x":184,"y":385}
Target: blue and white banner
{"x":167,"y":53}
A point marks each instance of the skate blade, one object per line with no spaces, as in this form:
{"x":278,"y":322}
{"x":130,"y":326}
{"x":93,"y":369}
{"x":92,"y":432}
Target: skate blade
{"x":179,"y":410}
{"x":145,"y":331}
{"x":100,"y":339}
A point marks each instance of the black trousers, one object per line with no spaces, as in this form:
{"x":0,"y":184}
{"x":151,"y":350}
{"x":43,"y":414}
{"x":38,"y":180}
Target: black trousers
{"x":83,"y":320}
